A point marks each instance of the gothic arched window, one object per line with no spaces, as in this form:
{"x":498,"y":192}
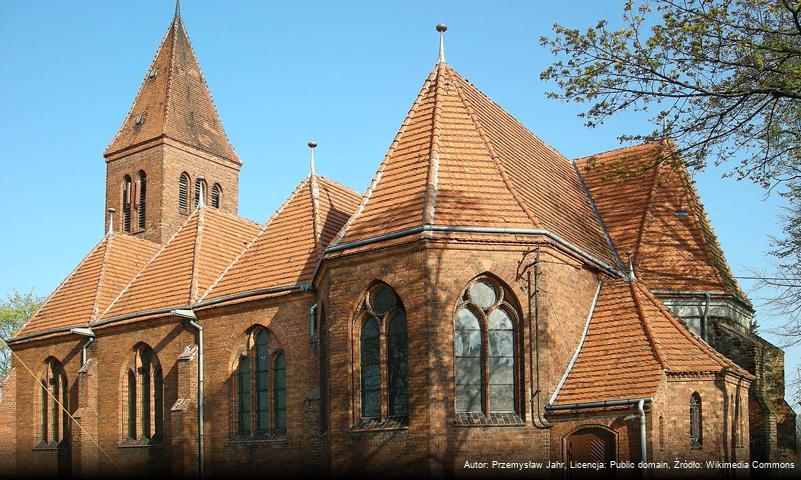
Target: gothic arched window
{"x":696,"y":422}
{"x":383,"y":327}
{"x":485,"y":349}
{"x":127,"y":194}
{"x":144,"y":385}
{"x":54,"y":418}
{"x":183,"y":193}
{"x":260,"y":389}
{"x":216,"y":195}
{"x":141,"y":200}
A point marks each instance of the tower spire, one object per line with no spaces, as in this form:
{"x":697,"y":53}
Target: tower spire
{"x":177,"y":16}
{"x":312,"y":144}
{"x":442,"y":28}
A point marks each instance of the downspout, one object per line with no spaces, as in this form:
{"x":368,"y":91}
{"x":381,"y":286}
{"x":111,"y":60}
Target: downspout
{"x":84,"y":348}
{"x":706,"y":313}
{"x":201,"y":457}
{"x":536,"y":314}
{"x":643,"y":439}
{"x":313,"y":320}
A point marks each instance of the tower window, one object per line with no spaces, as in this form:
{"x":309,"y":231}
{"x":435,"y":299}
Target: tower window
{"x":183,"y":193}
{"x":127,"y":193}
{"x":141,"y":200}
{"x":200,"y":186}
{"x":216,"y":195}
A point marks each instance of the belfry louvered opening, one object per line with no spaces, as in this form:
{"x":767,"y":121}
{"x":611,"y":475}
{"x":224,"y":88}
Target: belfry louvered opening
{"x":141,"y":200}
{"x":216,"y":195}
{"x":127,"y":193}
{"x":183,"y":193}
{"x":200,"y":188}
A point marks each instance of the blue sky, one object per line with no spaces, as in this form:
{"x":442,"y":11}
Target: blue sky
{"x":281,"y":73}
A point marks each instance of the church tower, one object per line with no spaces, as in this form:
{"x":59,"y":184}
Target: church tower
{"x":171,"y":148}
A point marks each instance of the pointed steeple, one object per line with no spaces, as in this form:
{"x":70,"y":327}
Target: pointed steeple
{"x":174,"y":101}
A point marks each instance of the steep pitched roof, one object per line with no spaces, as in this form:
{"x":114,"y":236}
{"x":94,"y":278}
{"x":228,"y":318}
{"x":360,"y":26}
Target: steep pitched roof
{"x":639,"y":210}
{"x":94,"y":283}
{"x":631,"y":340}
{"x":187,"y":264}
{"x":288,"y":248}
{"x":174,"y":101}
{"x":461,"y":160}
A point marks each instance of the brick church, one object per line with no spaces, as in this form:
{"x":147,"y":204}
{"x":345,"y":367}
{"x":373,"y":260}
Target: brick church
{"x":485,"y":298}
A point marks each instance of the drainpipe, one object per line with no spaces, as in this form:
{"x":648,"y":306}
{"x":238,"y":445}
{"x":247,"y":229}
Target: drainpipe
{"x":706,"y":312}
{"x":643,"y":445}
{"x":86,"y":332}
{"x":201,"y":457}
{"x":536,"y":314}
{"x":313,"y":320}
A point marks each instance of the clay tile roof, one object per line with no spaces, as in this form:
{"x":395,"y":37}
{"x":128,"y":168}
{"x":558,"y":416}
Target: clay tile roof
{"x":631,"y":340}
{"x":461,"y":160}
{"x":92,"y":286}
{"x":186,"y":265}
{"x":671,"y":252}
{"x":175,"y":102}
{"x":287,"y":249}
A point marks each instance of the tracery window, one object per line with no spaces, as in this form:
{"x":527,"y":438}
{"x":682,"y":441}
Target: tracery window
{"x":53,"y":419}
{"x":260,"y":387}
{"x":383,"y":357}
{"x":144,"y":398}
{"x":696,"y":422}
{"x":485,"y":349}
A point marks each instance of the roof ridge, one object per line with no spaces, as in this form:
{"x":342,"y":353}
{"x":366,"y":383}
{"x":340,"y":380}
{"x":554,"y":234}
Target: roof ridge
{"x":544,"y":143}
{"x":139,"y":91}
{"x":170,"y":72}
{"x":656,"y":347}
{"x":93,"y":314}
{"x":432,"y":173}
{"x":60,"y":285}
{"x":314,"y":192}
{"x":258,"y":235}
{"x":619,"y":149}
{"x":233,"y":216}
{"x":645,"y":214}
{"x":493,"y":154}
{"x":377,"y":177}
{"x":147,"y":264}
{"x":196,"y":247}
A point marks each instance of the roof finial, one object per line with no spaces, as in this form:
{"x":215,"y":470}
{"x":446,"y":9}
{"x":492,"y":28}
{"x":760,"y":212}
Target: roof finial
{"x":201,"y":199}
{"x":177,"y":15}
{"x":632,"y":277}
{"x":312,"y":145}
{"x":110,"y":230}
{"x":441,"y":28}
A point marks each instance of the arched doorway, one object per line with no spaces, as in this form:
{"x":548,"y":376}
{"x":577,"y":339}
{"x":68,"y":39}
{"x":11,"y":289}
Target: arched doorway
{"x":590,"y":445}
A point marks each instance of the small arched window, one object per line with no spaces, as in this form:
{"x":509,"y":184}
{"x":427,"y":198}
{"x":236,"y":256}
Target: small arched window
{"x":54,"y":418}
{"x":127,"y":198}
{"x":260,"y":388}
{"x":144,"y":407}
{"x":141,"y":200}
{"x":183,"y":193}
{"x":485,"y":349}
{"x":216,"y":195}
{"x":201,"y":188}
{"x":696,"y":422}
{"x":383,"y":312}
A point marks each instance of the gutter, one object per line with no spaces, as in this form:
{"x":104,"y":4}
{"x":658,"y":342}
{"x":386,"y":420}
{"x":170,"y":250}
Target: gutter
{"x":497,"y":230}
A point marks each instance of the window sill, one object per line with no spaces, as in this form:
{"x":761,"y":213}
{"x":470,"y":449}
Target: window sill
{"x":498,"y":419}
{"x":48,"y":447}
{"x":375,"y":424}
{"x":142,"y":442}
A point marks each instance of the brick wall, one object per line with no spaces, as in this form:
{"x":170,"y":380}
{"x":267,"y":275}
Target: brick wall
{"x":163,"y":162}
{"x":8,"y":424}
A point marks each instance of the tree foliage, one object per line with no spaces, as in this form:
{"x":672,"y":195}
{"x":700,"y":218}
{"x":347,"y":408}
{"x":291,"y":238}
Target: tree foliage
{"x":722,"y":78}
{"x":14,"y":311}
